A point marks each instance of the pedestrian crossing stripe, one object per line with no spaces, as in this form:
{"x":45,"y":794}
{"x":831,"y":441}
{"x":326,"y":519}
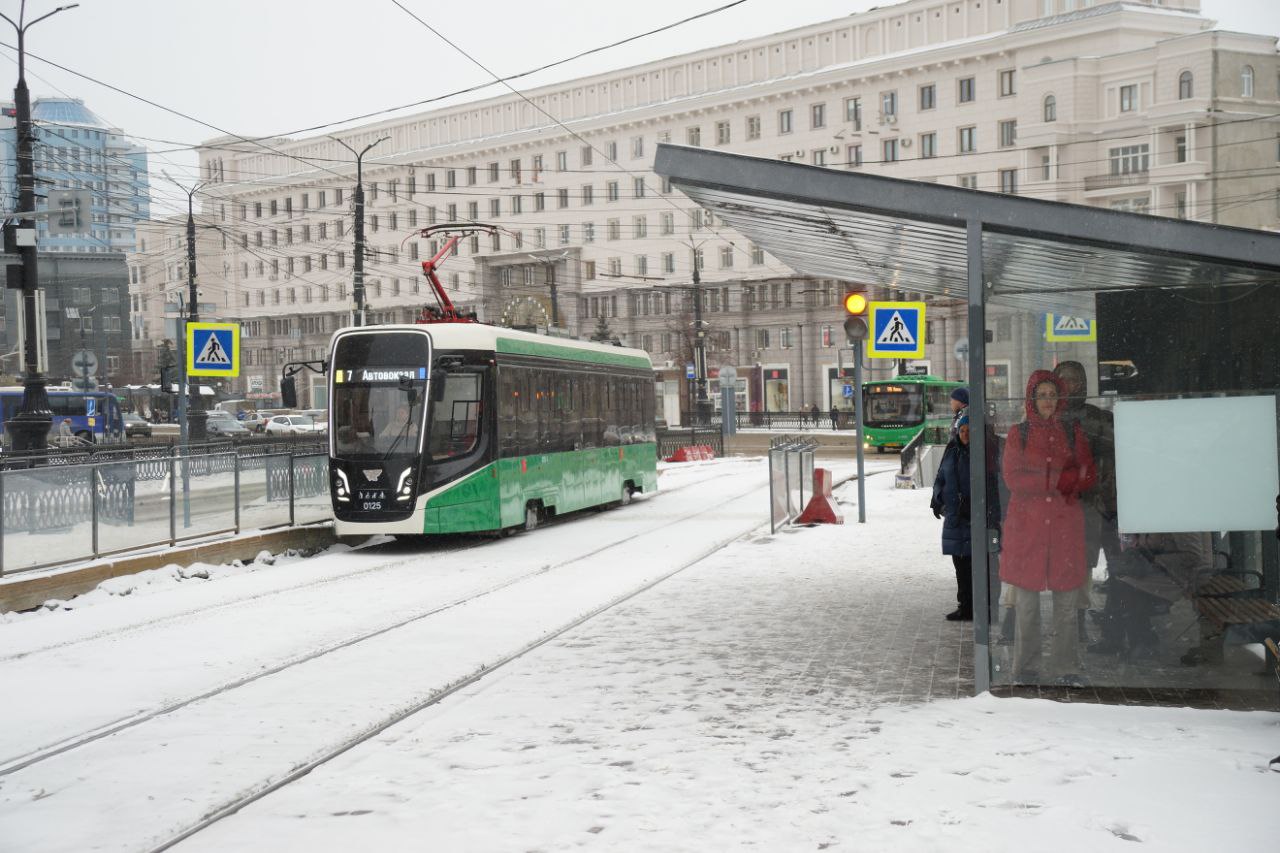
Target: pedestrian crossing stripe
{"x":213,"y":349}
{"x":897,"y":330}
{"x":1065,"y":327}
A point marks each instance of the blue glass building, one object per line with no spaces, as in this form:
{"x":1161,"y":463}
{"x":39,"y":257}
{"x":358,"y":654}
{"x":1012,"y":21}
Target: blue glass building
{"x":81,"y":160}
{"x":76,"y":150}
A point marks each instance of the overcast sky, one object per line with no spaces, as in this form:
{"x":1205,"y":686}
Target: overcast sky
{"x":258,"y":67}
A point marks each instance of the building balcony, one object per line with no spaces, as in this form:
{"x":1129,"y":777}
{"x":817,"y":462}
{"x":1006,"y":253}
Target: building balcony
{"x":1111,"y":182}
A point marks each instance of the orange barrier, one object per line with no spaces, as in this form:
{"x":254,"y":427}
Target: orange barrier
{"x":693,"y":453}
{"x":821,"y":508}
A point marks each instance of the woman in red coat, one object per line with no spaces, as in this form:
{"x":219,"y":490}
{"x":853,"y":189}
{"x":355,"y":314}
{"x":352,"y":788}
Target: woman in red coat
{"x":1047,"y":464}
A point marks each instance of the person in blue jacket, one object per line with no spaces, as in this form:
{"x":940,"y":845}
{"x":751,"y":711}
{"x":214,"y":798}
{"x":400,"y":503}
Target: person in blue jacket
{"x":951,"y":503}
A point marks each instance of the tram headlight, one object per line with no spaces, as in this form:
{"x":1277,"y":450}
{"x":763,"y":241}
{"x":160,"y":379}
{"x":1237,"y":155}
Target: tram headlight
{"x":341,"y":486}
{"x":404,"y":487}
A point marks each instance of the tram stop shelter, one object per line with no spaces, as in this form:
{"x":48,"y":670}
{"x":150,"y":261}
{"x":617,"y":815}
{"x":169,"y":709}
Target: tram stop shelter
{"x":1175,"y":326}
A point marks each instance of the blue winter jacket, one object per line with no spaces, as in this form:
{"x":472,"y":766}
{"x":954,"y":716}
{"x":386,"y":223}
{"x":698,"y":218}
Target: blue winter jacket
{"x":951,"y":491}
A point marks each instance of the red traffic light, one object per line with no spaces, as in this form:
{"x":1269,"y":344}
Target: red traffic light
{"x":855,"y":304}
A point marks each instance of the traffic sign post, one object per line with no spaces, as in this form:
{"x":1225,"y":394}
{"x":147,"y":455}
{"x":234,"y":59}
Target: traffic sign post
{"x":896,"y":330}
{"x":213,"y":349}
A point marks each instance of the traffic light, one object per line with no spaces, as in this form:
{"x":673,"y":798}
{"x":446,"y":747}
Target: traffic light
{"x":855,"y":324}
{"x":855,"y":303}
{"x":289,"y":392}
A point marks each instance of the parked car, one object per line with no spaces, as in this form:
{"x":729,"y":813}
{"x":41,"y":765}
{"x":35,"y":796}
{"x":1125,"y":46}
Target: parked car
{"x":320,"y":416}
{"x":222,"y":423}
{"x":257,"y":421}
{"x":136,"y":425}
{"x":293,"y":425}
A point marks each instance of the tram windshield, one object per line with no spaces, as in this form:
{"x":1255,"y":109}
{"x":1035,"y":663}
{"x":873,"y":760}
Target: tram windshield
{"x":897,"y":405}
{"x":379,"y":394}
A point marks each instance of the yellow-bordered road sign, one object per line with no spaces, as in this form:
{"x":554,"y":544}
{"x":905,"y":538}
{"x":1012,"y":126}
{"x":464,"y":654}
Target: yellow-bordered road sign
{"x":213,"y":349}
{"x":1061,"y":327}
{"x":897,"y":330}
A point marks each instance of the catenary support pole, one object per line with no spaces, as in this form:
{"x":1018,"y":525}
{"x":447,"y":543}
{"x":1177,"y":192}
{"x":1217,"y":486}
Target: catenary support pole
{"x":30,"y":426}
{"x":357,"y":199}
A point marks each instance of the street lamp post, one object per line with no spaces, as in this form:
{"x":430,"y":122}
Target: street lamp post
{"x":30,"y":427}
{"x":196,"y":416}
{"x":357,"y":286}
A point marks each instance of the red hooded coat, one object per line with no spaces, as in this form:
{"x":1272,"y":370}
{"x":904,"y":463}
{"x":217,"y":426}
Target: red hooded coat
{"x":1043,"y":544}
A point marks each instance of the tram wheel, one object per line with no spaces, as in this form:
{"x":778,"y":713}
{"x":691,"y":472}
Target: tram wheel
{"x":531,"y":516}
{"x":627,"y":491}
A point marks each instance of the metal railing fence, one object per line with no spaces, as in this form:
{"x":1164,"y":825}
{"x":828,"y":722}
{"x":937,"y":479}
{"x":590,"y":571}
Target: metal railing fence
{"x":60,"y":513}
{"x":790,"y":472}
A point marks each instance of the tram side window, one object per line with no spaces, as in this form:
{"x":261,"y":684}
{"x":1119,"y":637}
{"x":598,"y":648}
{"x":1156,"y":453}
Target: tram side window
{"x":647,"y":405}
{"x":507,"y":402}
{"x":455,"y":419}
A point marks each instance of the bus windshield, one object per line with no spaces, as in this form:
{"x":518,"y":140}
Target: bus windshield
{"x":894,"y":405}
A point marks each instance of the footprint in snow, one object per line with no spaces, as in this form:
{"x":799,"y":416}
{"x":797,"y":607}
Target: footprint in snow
{"x":1122,"y":832}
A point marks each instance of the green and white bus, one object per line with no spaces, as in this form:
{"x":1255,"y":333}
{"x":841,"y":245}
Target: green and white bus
{"x":462,"y":427}
{"x":895,"y":410}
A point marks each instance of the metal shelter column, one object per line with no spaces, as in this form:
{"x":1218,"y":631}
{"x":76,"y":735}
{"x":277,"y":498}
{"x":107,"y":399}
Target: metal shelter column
{"x":982,"y":545}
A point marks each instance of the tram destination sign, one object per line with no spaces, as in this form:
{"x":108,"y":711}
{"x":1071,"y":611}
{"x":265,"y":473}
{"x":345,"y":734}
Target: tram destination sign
{"x":379,"y":374}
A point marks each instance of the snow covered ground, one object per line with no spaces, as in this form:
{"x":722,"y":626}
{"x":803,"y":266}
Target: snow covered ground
{"x":743,"y":703}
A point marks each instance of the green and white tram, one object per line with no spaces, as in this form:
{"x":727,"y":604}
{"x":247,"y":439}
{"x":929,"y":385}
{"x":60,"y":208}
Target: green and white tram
{"x":459,"y":427}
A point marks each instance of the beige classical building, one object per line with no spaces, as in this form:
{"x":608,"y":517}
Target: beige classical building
{"x":1138,"y":105}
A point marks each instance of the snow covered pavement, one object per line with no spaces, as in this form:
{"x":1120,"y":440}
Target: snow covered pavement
{"x":768,"y":697}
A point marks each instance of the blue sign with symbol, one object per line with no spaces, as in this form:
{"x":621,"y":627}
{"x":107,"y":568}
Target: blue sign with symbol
{"x":213,"y":349}
{"x":897,"y":330}
{"x":688,"y":371}
{"x":846,"y":391}
{"x":90,"y":406}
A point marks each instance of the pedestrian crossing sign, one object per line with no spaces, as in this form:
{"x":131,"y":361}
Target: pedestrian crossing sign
{"x":213,"y":349}
{"x":1060,"y":327}
{"x":897,"y":330}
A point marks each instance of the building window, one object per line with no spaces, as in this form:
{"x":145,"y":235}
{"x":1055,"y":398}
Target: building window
{"x":1050,"y":108}
{"x":584,"y":155}
{"x":1130,"y":159}
{"x":966,"y":90}
{"x":1046,"y":167}
{"x":969,"y":182}
{"x":668,"y":262}
{"x":562,"y":161}
{"x":588,"y":195}
{"x":889,"y":150}
{"x":613,"y":230}
{"x":640,"y":227}
{"x":762,"y":338}
{"x":450,"y":179}
{"x":1128,"y":98}
{"x":784,"y":338}
{"x":1009,"y":181}
{"x":471,"y":176}
{"x":928,"y":97}
{"x":637,"y":147}
{"x":1180,"y":149}
{"x":889,"y":104}
{"x":853,"y":156}
{"x":1008,"y":133}
{"x":784,"y":121}
{"x":667,"y":223}
{"x":757,"y":255}
{"x":968,"y":140}
{"x":1007,"y":83}
{"x":611,"y":151}
{"x":1185,"y":86}
{"x":722,"y":133}
{"x":564,"y":235}
{"x":693,"y":136}
{"x":819,"y":157}
{"x":726,"y":257}
{"x":853,"y":112}
{"x":588,"y":232}
{"x":611,"y":191}
{"x":753,"y":127}
{"x":562,"y":198}
{"x":928,"y":145}
{"x":1246,"y":82}
{"x":817,"y":116}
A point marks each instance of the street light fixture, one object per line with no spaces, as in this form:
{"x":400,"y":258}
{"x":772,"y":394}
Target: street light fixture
{"x":357,"y":286}
{"x":30,"y":427}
